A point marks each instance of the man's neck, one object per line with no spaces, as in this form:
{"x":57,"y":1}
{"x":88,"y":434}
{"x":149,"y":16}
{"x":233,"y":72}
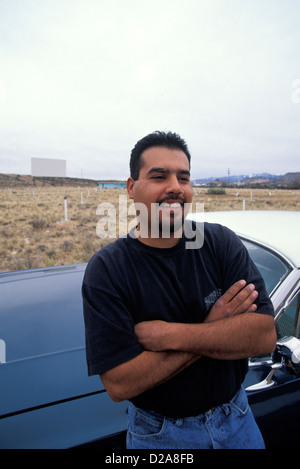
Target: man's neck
{"x":160,"y":242}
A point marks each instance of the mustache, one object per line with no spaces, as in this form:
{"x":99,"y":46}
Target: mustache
{"x":171,"y":198}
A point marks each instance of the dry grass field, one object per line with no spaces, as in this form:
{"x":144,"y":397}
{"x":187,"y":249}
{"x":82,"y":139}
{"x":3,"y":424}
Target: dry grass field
{"x":34,"y":232}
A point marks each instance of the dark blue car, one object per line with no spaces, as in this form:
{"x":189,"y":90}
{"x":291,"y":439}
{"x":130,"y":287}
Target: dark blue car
{"x":48,"y":401}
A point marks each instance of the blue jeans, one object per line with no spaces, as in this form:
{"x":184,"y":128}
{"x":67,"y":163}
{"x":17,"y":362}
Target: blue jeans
{"x":228,"y":426}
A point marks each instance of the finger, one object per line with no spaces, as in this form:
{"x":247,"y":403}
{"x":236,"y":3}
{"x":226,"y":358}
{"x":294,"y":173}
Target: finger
{"x":232,"y":292}
{"x":244,"y":299}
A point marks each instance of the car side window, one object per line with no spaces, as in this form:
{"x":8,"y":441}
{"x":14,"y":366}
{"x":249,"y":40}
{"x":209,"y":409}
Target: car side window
{"x":272,"y":268}
{"x":288,"y":323}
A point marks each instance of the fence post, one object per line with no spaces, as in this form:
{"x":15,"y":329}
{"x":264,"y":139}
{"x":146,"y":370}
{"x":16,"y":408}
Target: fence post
{"x":66,"y":209}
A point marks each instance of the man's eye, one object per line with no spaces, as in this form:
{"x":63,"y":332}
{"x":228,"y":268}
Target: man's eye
{"x":184,"y":178}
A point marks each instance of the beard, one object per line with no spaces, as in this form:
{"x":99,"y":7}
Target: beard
{"x":171,"y":226}
{"x":162,"y":222}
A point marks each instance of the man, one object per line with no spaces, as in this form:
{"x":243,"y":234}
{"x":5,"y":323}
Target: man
{"x":169,"y":328}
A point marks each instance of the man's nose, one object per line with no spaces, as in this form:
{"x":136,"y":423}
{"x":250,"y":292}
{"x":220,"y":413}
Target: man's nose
{"x":173,"y":185}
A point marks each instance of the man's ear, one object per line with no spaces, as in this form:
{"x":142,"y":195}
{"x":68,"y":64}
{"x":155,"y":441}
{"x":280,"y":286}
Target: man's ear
{"x":130,"y":186}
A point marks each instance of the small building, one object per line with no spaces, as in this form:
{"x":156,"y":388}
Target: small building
{"x":112,"y":184}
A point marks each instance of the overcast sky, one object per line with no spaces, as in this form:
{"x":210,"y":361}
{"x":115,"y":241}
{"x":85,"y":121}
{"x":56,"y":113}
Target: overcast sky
{"x":83,"y":80}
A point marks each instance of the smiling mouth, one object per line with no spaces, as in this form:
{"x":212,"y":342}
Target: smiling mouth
{"x":171,"y":202}
{"x":170,"y":205}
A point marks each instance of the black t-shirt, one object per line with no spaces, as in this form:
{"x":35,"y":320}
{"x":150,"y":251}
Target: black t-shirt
{"x":128,"y":282}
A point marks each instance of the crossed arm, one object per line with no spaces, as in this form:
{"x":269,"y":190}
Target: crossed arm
{"x":231,"y":331}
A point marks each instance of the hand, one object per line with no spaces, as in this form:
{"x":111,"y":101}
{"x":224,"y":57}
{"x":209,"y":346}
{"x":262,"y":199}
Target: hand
{"x":238,"y":299}
{"x":151,"y":334}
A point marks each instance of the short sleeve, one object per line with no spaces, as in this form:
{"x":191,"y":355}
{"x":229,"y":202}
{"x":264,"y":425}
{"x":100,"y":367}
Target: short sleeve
{"x":109,"y":327}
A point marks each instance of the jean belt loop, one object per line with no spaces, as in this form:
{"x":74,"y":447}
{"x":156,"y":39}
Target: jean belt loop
{"x":227,"y":408}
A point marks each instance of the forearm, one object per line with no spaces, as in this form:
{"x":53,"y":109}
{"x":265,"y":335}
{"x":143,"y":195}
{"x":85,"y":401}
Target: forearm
{"x":147,"y":370}
{"x":240,"y":336}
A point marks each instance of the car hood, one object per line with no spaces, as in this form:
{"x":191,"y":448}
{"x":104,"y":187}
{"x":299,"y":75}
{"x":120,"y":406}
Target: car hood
{"x":43,"y":333}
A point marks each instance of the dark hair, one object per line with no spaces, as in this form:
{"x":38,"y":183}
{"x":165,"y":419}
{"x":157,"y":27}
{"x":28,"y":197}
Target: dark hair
{"x":169,"y":140}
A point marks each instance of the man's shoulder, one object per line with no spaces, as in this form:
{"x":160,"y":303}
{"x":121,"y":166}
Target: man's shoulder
{"x":212,"y":230}
{"x":119,"y":244}
{"x":216,"y":229}
{"x":216,"y":237}
{"x":108,"y":255}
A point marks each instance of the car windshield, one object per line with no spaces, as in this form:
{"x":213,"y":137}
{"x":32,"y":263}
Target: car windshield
{"x":272,"y":267}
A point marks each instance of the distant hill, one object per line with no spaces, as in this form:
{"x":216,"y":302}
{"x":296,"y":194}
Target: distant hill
{"x":15,"y":180}
{"x":288,"y":180}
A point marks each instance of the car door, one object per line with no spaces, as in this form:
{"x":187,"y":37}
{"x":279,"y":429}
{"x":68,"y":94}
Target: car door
{"x":273,"y":383}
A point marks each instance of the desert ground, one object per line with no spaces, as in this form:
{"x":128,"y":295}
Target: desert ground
{"x":37,"y":232}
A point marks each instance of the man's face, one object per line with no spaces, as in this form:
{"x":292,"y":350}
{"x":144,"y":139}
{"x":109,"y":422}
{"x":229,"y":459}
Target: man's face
{"x":164,"y":181}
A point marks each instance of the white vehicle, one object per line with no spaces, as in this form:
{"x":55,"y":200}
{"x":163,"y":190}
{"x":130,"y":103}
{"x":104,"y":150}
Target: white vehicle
{"x":273,"y":241}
